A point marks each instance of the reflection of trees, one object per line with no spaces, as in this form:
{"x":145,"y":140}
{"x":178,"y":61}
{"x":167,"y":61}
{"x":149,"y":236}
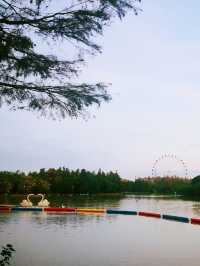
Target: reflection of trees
{"x":85,"y":201}
{"x":45,"y":220}
{"x":65,"y":218}
{"x":75,"y":220}
{"x":4,"y":218}
{"x":196,"y":209}
{"x":70,"y":201}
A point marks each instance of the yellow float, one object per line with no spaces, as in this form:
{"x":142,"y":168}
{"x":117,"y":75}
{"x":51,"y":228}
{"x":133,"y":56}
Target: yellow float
{"x":90,"y":210}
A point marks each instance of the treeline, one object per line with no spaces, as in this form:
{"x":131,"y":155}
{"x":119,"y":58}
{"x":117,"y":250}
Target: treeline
{"x":65,"y":181}
{"x":62,"y":181}
{"x":168,"y":185}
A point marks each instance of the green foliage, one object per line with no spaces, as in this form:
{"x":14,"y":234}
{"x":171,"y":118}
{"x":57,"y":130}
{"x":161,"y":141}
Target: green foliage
{"x":196,"y":180}
{"x":65,"y":181}
{"x":194,"y":188}
{"x":6,"y":255}
{"x":62,"y":181}
{"x":167,"y":185}
{"x":33,"y":80}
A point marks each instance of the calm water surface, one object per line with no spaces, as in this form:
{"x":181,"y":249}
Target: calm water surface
{"x":103,"y":240}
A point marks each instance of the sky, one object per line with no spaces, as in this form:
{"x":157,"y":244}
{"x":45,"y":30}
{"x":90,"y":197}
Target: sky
{"x":153,"y":63}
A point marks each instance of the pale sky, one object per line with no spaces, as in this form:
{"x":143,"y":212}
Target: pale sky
{"x":153,"y":63}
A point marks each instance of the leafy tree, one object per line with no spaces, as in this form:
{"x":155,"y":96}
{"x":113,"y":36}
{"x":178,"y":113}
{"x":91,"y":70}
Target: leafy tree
{"x":29,"y":184}
{"x":41,"y":186}
{"x":6,"y":255}
{"x":34,"y":80}
{"x":5,"y":184}
{"x":196,"y":180}
{"x":62,"y":181}
{"x":65,"y":181}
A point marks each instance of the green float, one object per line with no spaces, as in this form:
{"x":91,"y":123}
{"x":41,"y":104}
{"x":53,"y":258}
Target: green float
{"x":176,"y":218}
{"x":32,"y":209}
{"x":121,"y":212}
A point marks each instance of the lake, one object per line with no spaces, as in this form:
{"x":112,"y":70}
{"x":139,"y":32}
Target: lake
{"x":42,"y":239}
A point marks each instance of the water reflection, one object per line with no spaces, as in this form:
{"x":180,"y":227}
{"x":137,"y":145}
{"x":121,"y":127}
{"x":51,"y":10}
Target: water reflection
{"x":69,"y":201}
{"x":112,"y":240}
{"x":196,"y":209}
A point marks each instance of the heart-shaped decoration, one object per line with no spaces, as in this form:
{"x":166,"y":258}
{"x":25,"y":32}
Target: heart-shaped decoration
{"x":27,"y":203}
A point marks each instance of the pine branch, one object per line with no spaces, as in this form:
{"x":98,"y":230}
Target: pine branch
{"x":21,"y":62}
{"x":71,"y":99}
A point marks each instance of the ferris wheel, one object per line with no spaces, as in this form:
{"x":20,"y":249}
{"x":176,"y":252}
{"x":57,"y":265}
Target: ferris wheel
{"x":169,"y":157}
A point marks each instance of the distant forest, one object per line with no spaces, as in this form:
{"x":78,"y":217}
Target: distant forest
{"x":65,"y":181}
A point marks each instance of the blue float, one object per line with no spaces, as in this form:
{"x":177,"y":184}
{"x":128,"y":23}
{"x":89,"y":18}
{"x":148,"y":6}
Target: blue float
{"x":176,"y":218}
{"x":32,"y":209}
{"x":121,"y":212}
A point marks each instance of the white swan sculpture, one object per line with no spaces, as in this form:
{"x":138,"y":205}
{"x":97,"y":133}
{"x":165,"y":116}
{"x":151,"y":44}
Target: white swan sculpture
{"x":43,"y":202}
{"x":26,"y":202}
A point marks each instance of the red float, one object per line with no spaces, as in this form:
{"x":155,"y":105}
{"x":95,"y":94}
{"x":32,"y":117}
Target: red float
{"x":150,"y":214}
{"x":195,"y":220}
{"x":4,"y":209}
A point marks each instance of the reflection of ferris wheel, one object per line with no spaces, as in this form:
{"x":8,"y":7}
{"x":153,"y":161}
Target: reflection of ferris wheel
{"x":166,"y":157}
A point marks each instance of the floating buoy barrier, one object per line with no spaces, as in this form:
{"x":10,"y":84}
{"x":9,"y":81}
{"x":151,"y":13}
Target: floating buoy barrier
{"x":150,"y":214}
{"x":176,"y":218}
{"x":10,"y":208}
{"x":32,"y":209}
{"x":88,"y":210}
{"x":195,"y":220}
{"x":121,"y":212}
{"x":59,"y":209}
